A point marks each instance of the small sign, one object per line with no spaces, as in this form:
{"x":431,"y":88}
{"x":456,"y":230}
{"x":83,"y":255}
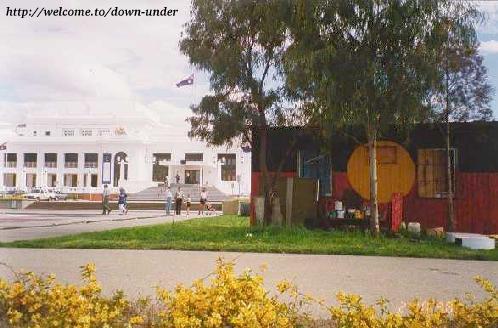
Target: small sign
{"x":106,"y":168}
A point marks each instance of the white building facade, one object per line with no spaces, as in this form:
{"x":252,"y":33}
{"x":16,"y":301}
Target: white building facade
{"x":81,"y":154}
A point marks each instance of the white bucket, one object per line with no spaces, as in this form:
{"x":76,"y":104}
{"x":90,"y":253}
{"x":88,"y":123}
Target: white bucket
{"x":414,"y":227}
{"x":340,"y":214}
{"x":338,"y":205}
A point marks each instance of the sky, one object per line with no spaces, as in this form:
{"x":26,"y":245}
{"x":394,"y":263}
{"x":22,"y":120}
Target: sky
{"x":49,"y":63}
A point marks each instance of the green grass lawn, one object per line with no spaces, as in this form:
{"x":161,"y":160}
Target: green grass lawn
{"x":232,"y":233}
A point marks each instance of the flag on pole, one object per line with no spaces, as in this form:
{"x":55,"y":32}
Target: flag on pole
{"x":187,"y":81}
{"x":3,"y":146}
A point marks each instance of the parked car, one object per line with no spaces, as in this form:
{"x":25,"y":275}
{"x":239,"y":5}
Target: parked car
{"x":58,"y":195}
{"x":39,"y":194}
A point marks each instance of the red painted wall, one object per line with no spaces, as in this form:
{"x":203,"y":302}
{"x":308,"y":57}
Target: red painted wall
{"x":476,"y":202}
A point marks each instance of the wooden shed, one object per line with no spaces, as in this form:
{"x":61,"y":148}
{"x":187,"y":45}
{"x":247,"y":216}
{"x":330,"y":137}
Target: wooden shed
{"x":412,"y":164}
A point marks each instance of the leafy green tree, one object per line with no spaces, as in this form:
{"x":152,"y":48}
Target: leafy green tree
{"x":365,"y":63}
{"x":463,"y":92}
{"x":240,"y":45}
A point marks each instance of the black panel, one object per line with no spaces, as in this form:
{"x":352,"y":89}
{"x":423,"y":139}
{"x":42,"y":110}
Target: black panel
{"x":476,"y":144}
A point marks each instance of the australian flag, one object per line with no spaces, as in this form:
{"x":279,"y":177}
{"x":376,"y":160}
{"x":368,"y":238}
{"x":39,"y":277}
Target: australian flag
{"x":187,"y":81}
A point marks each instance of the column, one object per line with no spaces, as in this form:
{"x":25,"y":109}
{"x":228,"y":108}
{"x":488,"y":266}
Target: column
{"x":21,"y":173}
{"x":121,"y":173}
{"x":40,"y":174}
{"x":81,"y":169}
{"x":60,"y":170}
{"x":100,"y":160}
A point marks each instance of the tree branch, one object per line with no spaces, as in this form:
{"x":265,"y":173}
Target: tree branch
{"x":265,"y":72}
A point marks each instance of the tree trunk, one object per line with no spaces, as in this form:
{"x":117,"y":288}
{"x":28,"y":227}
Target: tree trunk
{"x":450,"y":226}
{"x":266,"y":179}
{"x":374,"y":205}
{"x":449,"y":179}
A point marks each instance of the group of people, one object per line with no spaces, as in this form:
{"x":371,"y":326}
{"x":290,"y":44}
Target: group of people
{"x":179,"y":198}
{"x":122,"y":201}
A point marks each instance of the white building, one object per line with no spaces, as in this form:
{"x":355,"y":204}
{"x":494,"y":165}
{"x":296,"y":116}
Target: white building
{"x":81,"y":153}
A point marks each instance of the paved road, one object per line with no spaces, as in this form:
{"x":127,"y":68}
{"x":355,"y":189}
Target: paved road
{"x":138,"y":271}
{"x":33,"y":224}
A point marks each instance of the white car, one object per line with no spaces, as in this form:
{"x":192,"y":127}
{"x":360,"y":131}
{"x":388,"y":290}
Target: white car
{"x":39,"y":194}
{"x":57,"y":195}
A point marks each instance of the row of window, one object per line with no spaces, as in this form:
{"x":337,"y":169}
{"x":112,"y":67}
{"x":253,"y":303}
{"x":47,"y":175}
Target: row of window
{"x":69,"y":180}
{"x":70,"y":160}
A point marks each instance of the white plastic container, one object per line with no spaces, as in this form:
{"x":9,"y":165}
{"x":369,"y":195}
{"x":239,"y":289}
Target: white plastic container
{"x":478,"y":242}
{"x":451,"y":236}
{"x":340,"y":214}
{"x":471,"y":240}
{"x":338,"y":205}
{"x":414,"y":227}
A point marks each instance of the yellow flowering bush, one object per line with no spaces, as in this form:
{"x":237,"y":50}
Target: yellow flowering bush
{"x":228,"y":301}
{"x":34,"y":301}
{"x":223,"y":300}
{"x":352,"y":312}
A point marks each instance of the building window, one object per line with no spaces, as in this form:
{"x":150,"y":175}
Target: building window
{"x":385,"y":155}
{"x":30,"y":180}
{"x":71,"y":160}
{"x":52,"y":180}
{"x":86,"y":132}
{"x":47,"y":133}
{"x":51,"y":160}
{"x":90,"y":180}
{"x":70,"y":180}
{"x":161,"y":158}
{"x":30,"y":159}
{"x":93,"y":180}
{"x":91,"y":160}
{"x":68,"y":133}
{"x":194,"y":157}
{"x":228,"y":167}
{"x":11,"y":160}
{"x":9,"y":180}
{"x":432,"y":172}
{"x":160,"y":169}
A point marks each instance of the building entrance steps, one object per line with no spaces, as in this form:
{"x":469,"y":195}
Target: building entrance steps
{"x":158,"y":193}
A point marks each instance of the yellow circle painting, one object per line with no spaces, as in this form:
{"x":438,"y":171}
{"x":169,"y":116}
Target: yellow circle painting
{"x":395,"y":171}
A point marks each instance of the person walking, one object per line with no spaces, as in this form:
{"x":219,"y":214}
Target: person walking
{"x":203,"y":201}
{"x":106,"y":193}
{"x":122,"y":200}
{"x":178,"y":201}
{"x":169,"y":199}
